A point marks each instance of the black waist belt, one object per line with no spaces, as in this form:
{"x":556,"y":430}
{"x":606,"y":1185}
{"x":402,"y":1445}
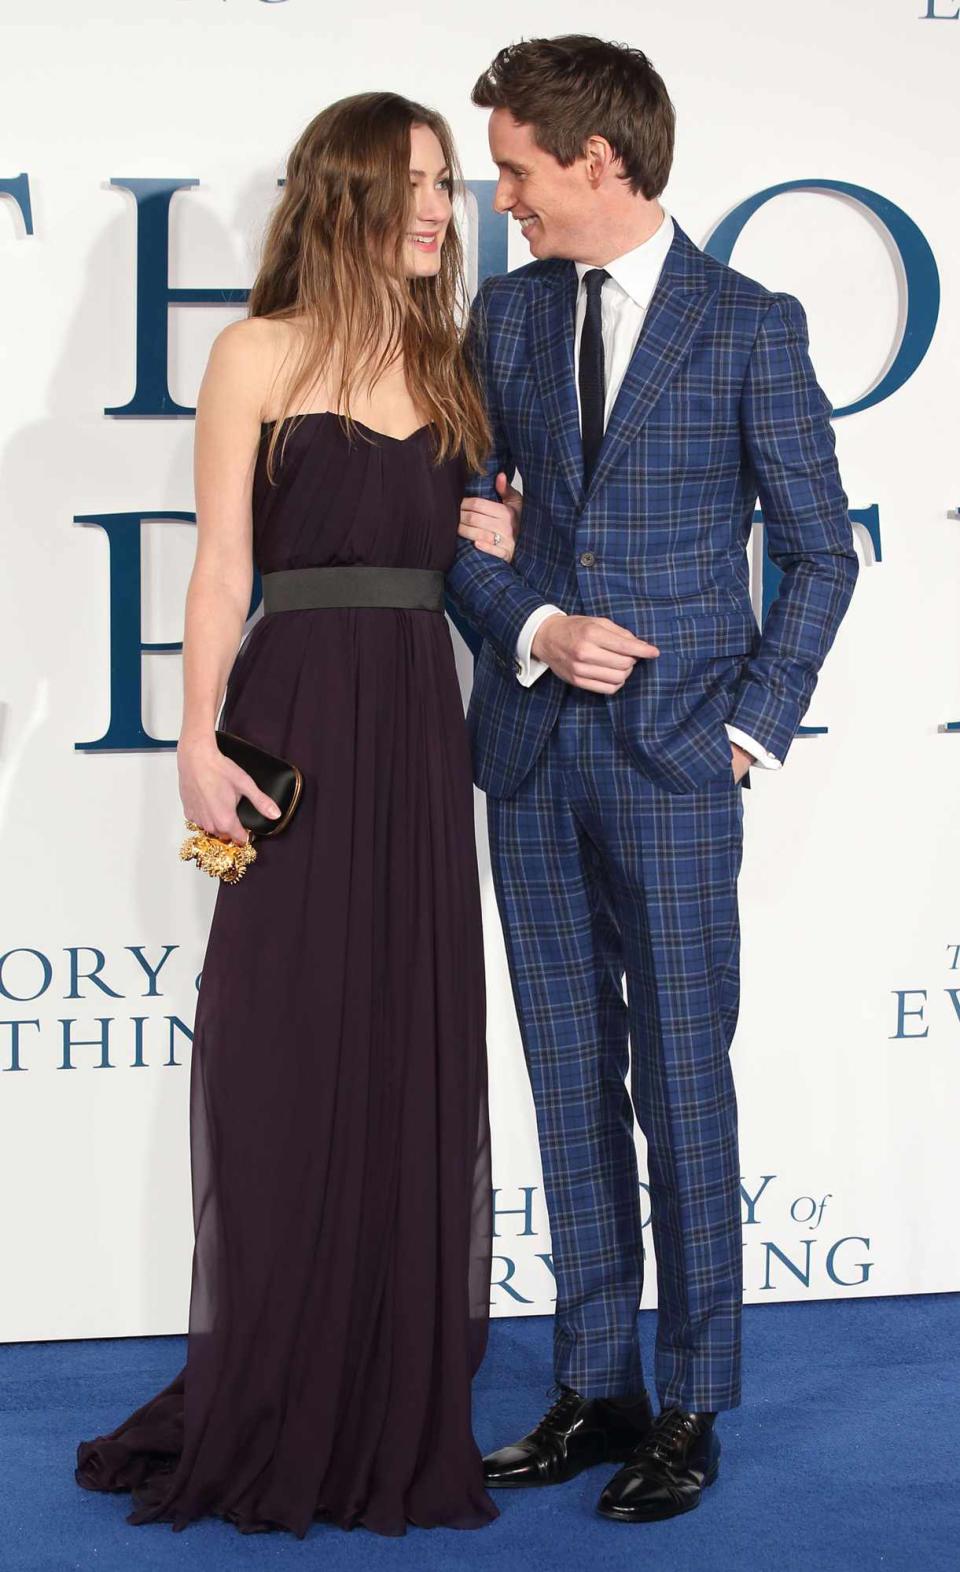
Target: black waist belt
{"x":331,"y":589}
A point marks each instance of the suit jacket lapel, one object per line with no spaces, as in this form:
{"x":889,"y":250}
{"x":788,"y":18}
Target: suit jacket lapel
{"x":679,"y":302}
{"x":551,"y":325}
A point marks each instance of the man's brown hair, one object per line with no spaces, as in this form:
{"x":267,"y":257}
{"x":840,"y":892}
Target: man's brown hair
{"x":571,"y":88}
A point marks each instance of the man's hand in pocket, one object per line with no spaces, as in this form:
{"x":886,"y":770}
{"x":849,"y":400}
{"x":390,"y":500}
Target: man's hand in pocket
{"x":741,"y":762}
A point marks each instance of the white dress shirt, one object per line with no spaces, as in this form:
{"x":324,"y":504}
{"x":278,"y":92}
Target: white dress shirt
{"x":623,"y":305}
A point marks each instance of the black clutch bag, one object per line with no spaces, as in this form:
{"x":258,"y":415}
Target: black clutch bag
{"x":280,"y":779}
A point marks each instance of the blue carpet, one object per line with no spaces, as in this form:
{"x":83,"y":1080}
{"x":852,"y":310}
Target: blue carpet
{"x":844,"y":1456}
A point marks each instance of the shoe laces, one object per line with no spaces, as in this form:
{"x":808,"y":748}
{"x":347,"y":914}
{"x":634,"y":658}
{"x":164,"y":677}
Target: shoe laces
{"x":560,"y":1413}
{"x":669,"y":1435}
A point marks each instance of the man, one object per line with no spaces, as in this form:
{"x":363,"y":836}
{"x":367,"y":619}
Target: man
{"x":647,"y":395}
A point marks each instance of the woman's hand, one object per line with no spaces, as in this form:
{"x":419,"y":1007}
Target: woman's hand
{"x":493,"y":526}
{"x":211,"y":785}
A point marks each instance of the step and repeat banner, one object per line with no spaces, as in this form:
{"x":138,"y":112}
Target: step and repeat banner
{"x":142,"y":146}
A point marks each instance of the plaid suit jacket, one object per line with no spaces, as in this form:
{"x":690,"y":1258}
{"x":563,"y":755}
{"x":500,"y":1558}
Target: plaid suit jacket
{"x":720,"y":405}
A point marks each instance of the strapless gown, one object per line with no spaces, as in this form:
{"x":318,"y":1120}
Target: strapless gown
{"x":338,"y":1120}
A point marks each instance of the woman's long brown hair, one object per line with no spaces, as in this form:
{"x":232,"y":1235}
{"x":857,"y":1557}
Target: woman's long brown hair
{"x":333,"y":258}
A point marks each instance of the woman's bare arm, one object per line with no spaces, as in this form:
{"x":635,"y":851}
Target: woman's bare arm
{"x":238,"y":375}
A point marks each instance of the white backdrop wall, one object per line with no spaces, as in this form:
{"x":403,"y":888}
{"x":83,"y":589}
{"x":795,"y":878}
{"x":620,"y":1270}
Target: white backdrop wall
{"x":847,"y":1051}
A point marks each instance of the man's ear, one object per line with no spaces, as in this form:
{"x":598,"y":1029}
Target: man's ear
{"x":599,"y":156}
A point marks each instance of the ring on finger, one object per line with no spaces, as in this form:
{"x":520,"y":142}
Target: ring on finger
{"x":497,"y":537}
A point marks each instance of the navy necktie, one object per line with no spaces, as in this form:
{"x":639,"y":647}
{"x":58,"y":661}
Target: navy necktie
{"x":591,"y":373}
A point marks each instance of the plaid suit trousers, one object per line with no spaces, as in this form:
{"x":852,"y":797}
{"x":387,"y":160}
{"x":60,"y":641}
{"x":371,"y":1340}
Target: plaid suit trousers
{"x":602,"y":873}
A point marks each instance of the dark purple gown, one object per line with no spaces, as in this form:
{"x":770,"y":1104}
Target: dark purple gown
{"x":338,"y":1125}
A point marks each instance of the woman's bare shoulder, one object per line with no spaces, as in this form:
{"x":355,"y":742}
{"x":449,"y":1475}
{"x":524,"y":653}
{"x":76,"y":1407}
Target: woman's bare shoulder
{"x":255,"y":340}
{"x":251,"y":354}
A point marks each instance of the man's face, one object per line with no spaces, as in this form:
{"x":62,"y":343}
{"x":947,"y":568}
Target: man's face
{"x":553,"y":205}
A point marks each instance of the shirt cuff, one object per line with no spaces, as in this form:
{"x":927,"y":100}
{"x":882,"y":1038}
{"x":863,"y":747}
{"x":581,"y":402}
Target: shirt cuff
{"x":528,"y":667}
{"x":766,"y":761}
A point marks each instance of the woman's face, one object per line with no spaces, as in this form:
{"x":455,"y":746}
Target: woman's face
{"x":430,"y":206}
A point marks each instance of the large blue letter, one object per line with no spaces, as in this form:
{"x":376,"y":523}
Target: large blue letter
{"x":125,"y":728}
{"x":155,"y":297}
{"x":916,"y":258}
{"x":18,"y":189}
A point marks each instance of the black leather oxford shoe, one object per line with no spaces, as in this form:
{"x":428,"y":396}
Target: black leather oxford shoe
{"x":574,"y":1434}
{"x":668,"y":1472}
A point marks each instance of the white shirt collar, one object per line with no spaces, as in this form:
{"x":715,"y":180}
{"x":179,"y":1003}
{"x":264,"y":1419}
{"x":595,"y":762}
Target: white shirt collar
{"x":637,"y":271}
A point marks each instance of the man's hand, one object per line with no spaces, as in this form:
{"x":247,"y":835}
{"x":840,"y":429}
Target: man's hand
{"x":590,"y":652}
{"x":741,"y":761}
{"x":492,"y":526}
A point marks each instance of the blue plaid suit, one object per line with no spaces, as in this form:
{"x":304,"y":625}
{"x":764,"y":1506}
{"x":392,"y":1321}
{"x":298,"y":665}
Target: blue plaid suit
{"x":615,"y":826}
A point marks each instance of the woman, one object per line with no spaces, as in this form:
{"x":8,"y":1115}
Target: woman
{"x":340,"y":1150}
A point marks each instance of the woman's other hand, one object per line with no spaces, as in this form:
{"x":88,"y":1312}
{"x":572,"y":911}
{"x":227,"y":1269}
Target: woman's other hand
{"x":493,"y":526}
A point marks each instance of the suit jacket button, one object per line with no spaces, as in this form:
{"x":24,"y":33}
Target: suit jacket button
{"x":587,"y":559}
